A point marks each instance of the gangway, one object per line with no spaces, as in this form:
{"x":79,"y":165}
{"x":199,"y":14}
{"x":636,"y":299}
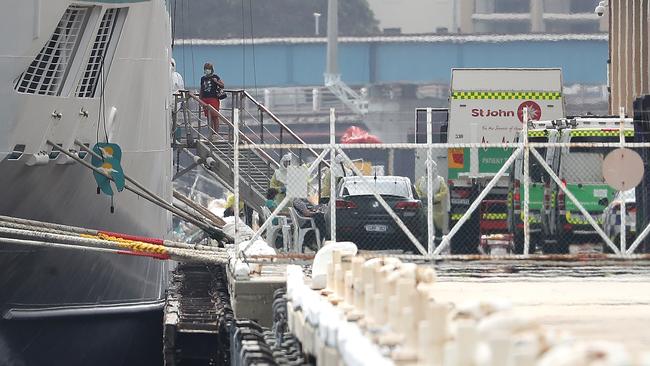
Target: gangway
{"x":194,"y":136}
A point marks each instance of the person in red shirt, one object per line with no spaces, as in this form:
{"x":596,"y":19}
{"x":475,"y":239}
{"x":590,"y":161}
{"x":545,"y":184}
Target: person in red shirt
{"x":211,"y":88}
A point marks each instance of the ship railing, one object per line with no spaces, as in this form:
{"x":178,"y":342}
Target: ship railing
{"x":264,"y":127}
{"x":190,"y":125}
{"x":258,"y":125}
{"x":300,"y":101}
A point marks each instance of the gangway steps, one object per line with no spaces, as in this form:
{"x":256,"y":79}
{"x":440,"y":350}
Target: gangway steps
{"x":256,"y":166}
{"x":255,"y":173}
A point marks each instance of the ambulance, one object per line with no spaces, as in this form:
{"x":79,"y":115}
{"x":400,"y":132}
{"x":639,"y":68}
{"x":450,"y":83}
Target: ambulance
{"x":487,"y":106}
{"x":580,"y":171}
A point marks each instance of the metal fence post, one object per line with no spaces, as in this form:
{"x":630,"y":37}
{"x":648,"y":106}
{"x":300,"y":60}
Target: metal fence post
{"x":429,"y":164}
{"x":174,"y":120}
{"x":623,"y":235}
{"x":332,"y":192}
{"x":315,"y":102}
{"x":236,"y":176}
{"x":526,"y":184}
{"x":261,"y":125}
{"x":189,"y":139}
{"x":320,"y":181}
{"x":281,"y":142}
{"x":234,"y":103}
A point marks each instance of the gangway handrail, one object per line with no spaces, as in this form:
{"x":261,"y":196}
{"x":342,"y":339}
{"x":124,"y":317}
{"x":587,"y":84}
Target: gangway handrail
{"x":264,"y":156}
{"x":264,"y":109}
{"x":277,"y":121}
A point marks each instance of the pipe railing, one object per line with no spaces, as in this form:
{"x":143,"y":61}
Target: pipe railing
{"x":254,"y":130}
{"x":256,"y":134}
{"x":249,"y":167}
{"x":211,"y":110}
{"x":283,"y":127}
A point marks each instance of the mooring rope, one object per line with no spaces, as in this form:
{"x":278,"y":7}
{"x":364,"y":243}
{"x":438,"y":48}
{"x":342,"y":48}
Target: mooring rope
{"x":40,"y":226}
{"x":167,"y":250}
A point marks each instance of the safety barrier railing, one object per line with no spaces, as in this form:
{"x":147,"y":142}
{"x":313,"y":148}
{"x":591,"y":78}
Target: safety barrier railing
{"x":530,"y":205}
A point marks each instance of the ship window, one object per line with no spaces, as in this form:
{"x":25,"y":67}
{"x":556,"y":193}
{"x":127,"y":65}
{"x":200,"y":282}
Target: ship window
{"x":17,"y":152}
{"x":102,"y":51}
{"x":47,"y":73}
{"x":82,"y":154}
{"x":55,"y":152}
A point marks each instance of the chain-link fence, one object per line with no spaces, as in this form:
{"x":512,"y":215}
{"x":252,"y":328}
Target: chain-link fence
{"x":544,"y":193}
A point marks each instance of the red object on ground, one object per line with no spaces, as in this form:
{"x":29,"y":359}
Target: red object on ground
{"x":356,"y":135}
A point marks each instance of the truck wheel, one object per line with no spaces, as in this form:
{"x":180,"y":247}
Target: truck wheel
{"x":519,"y":242}
{"x":564,"y":242}
{"x":464,"y":245}
{"x":535,"y":240}
{"x":558,"y":246}
{"x":467,"y":240}
{"x":550,"y":246}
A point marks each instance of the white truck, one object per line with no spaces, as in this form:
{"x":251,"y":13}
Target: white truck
{"x":486,"y":106}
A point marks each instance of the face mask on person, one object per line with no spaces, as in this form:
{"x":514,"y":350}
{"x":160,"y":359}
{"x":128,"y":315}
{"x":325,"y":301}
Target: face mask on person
{"x":208,"y":72}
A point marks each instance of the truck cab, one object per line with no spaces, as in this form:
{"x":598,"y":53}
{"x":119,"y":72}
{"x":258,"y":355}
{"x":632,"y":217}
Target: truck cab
{"x":580,"y":170}
{"x":487,"y":106}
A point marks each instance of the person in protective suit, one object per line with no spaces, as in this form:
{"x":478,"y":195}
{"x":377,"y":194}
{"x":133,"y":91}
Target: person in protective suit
{"x":339,"y":170}
{"x":229,"y":207}
{"x":177,"y":78}
{"x":177,"y":85}
{"x":279,"y":179}
{"x":441,"y":202}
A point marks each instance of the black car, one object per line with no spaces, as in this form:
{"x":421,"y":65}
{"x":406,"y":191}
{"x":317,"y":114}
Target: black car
{"x":361,"y":219}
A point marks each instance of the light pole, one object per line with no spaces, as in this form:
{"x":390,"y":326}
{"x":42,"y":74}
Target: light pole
{"x":316,"y":19}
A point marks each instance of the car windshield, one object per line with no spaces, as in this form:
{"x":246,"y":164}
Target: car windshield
{"x":583,"y":167}
{"x":383,"y":187}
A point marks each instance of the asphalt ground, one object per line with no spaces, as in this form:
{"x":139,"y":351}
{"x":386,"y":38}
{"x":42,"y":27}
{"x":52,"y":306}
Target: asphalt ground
{"x":597,"y":299}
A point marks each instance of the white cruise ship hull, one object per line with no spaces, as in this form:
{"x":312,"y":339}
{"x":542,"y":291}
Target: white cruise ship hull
{"x":65,"y":306}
